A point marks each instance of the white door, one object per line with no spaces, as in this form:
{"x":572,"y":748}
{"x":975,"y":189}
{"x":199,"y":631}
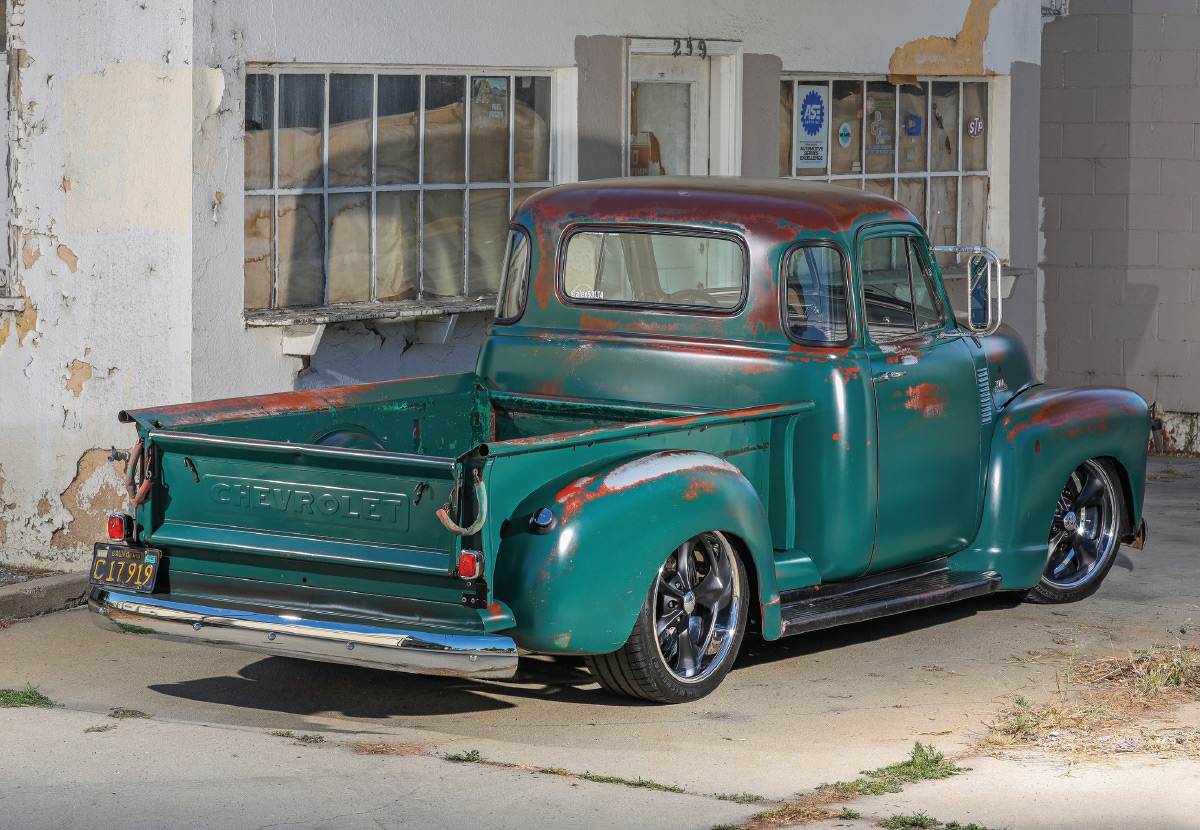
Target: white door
{"x":669,"y":119}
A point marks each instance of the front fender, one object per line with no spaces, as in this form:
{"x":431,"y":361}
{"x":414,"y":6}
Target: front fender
{"x":579,"y":587}
{"x":1040,"y":438}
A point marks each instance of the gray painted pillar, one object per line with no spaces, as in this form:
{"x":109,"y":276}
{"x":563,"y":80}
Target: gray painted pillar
{"x":1021,"y":308}
{"x":760,"y":115}
{"x":603,"y":65}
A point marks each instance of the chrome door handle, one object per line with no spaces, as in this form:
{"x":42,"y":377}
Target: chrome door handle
{"x":889,"y":376}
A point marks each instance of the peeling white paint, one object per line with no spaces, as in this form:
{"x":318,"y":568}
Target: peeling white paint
{"x":662,"y":464}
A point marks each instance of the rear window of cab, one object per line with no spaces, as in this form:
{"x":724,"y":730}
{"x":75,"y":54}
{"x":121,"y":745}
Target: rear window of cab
{"x":667,"y":268}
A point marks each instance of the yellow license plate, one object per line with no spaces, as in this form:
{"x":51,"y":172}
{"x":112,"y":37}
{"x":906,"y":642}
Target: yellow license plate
{"x":117,"y":566}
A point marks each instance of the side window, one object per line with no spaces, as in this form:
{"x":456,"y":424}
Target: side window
{"x":515,"y":282}
{"x":898,"y":288}
{"x":815,"y":303}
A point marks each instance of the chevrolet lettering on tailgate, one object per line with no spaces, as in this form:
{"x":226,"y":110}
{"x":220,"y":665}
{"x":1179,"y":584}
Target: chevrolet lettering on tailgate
{"x":332,"y":503}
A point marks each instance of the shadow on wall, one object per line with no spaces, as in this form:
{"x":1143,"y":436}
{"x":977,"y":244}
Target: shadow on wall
{"x":376,"y":350}
{"x":1098,"y":314}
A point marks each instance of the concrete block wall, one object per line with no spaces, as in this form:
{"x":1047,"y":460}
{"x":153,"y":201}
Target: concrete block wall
{"x":1120,"y":183}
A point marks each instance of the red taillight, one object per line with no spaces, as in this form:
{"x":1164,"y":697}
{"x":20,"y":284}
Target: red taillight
{"x":470,"y":564}
{"x":119,"y":525}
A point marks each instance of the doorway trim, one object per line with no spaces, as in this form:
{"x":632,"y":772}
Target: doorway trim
{"x":724,"y":97}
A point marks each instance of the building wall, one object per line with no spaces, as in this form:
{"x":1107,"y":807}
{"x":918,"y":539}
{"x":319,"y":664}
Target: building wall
{"x":1121,"y":188}
{"x":126,"y":174}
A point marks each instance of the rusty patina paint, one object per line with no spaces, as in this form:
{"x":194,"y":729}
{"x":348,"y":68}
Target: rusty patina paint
{"x":927,"y":398}
{"x":1075,"y":412}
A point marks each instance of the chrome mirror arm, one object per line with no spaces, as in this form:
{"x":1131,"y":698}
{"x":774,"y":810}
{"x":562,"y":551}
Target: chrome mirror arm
{"x":994,"y":306}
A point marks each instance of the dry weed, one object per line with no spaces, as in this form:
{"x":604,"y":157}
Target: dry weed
{"x":1110,"y":705}
{"x":370,"y":748}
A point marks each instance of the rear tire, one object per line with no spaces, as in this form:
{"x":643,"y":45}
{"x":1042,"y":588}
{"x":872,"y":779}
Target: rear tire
{"x":1084,"y":536}
{"x":689,"y":629}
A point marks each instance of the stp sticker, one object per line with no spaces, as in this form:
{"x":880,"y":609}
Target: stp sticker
{"x":975,"y":127}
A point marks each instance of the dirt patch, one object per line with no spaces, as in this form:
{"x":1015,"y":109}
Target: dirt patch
{"x":369,"y":748}
{"x":12,"y":574}
{"x":1104,"y":706}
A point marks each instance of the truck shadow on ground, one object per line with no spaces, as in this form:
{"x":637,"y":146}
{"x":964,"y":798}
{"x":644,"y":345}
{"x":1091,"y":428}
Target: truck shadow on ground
{"x":299,"y":687}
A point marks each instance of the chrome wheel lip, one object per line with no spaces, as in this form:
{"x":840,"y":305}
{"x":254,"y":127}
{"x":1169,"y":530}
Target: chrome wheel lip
{"x":1095,"y":523}
{"x":723,"y":621}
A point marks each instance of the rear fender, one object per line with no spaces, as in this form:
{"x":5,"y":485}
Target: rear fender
{"x":1040,"y":438}
{"x":579,"y":587}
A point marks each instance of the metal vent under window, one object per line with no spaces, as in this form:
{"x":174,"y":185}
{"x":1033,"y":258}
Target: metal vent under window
{"x":985,"y":395}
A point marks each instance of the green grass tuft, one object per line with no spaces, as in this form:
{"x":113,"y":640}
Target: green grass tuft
{"x":130,"y":628}
{"x":283,"y":733}
{"x":636,"y":782}
{"x":919,"y":820}
{"x":29,"y":696}
{"x":924,"y":763}
{"x":472,"y":757}
{"x":740,"y":798}
{"x":860,"y":786}
{"x":122,"y":714}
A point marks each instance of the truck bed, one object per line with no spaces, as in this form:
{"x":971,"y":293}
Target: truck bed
{"x":325,"y":503}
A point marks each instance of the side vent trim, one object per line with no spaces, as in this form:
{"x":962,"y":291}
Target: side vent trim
{"x":985,"y":395}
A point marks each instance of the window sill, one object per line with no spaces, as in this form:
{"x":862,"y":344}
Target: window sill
{"x":344,"y":313}
{"x":12,"y":304}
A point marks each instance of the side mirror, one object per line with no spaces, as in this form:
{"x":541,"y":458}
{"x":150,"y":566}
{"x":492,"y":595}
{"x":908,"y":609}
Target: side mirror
{"x":983,"y":288}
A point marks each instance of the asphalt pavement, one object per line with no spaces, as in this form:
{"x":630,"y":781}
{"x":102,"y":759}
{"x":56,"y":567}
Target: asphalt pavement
{"x":793,"y":714}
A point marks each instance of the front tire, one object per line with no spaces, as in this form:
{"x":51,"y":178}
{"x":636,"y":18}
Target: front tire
{"x":689,"y":629}
{"x":1084,"y":536}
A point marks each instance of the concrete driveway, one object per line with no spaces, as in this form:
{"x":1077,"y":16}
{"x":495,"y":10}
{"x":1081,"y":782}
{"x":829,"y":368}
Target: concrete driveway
{"x":792,"y":715}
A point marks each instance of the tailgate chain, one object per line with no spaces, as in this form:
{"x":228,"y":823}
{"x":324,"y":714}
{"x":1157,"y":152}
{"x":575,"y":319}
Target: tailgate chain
{"x":480,"y":497}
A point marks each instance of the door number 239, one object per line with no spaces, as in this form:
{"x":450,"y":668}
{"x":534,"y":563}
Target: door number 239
{"x":688,"y":47}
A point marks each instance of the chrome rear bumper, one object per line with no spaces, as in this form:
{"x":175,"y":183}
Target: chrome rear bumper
{"x":456,"y":655}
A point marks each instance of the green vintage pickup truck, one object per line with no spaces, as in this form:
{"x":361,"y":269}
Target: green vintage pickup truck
{"x":705,"y":405}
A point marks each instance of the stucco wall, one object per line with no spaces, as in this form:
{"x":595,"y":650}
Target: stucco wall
{"x":101,"y":193}
{"x":1120,"y":180}
{"x":126,"y":129}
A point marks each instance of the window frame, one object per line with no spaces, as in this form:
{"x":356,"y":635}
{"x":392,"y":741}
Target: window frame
{"x":893,"y":230}
{"x":847,"y":287}
{"x":860,"y":178}
{"x":672,"y":230}
{"x":419,"y":306}
{"x":514,"y":228}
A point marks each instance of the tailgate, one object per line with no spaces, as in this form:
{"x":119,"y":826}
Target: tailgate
{"x":317,"y":516}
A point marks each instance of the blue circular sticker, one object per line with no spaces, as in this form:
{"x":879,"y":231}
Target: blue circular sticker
{"x":844,"y":134}
{"x":812,"y":113}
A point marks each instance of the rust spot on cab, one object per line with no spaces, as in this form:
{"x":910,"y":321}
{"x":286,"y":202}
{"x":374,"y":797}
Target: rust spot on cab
{"x":926,"y":398}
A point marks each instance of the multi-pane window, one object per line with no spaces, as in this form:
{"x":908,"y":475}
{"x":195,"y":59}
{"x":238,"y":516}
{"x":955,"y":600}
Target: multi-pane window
{"x":367,"y":187}
{"x":924,"y":144}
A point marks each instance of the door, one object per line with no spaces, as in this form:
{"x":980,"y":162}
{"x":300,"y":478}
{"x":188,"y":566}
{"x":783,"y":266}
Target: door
{"x":669,"y":115}
{"x":927,"y":406}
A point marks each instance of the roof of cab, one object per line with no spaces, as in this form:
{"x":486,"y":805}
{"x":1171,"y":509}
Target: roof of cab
{"x":714,"y":200}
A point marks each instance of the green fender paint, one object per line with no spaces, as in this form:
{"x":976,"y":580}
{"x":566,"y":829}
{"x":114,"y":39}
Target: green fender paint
{"x":616,"y":523}
{"x":1040,"y":438}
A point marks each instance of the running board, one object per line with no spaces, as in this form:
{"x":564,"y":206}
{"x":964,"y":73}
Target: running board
{"x":879,"y":595}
